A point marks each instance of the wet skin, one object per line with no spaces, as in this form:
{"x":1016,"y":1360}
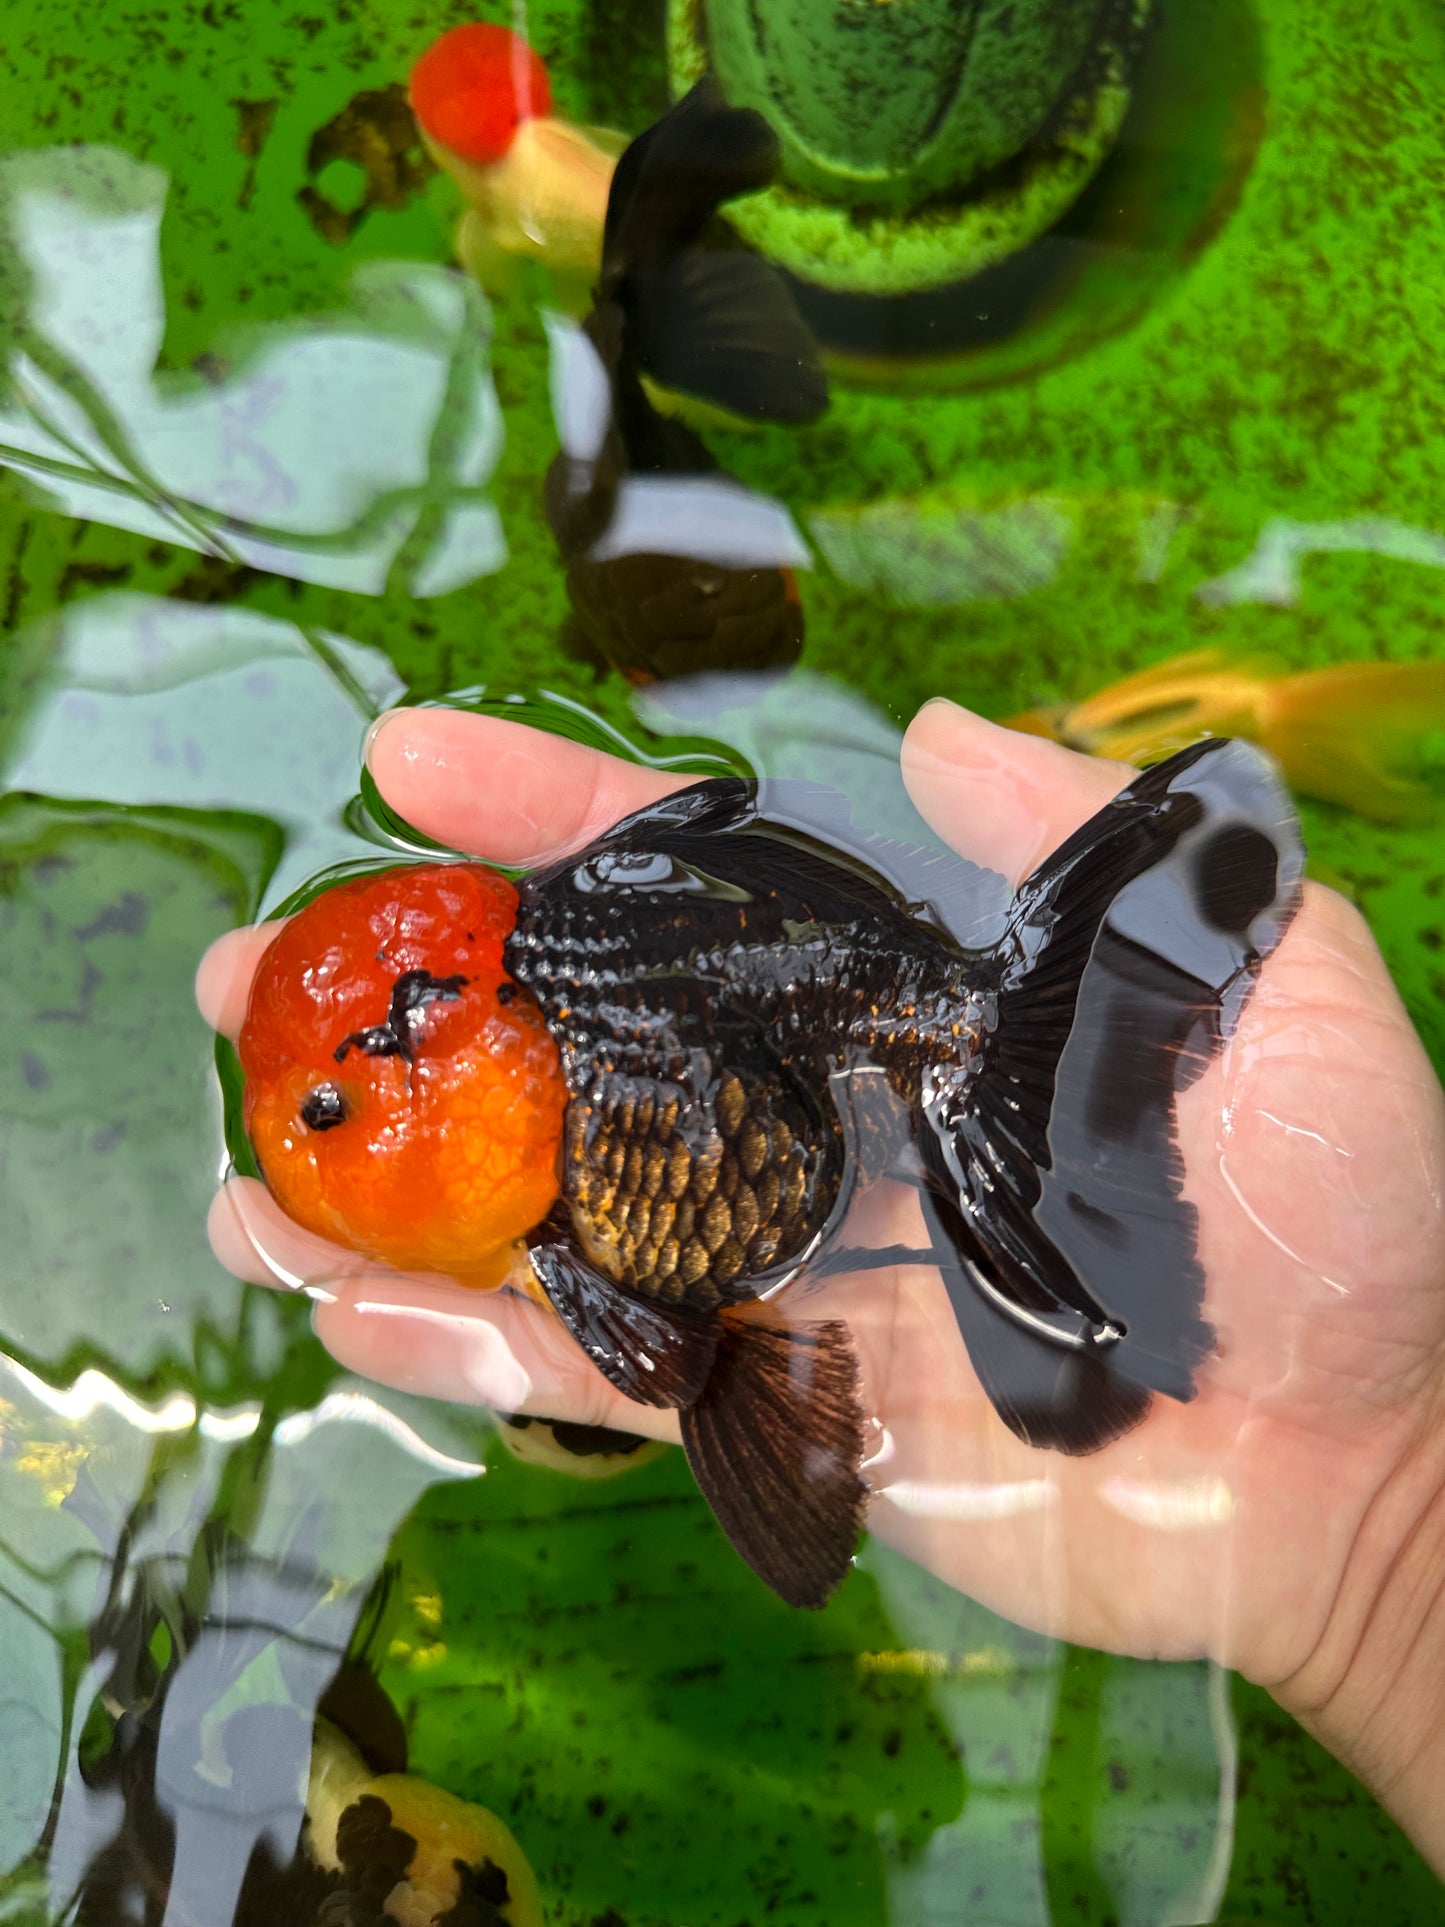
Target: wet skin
{"x":1289,"y":1522}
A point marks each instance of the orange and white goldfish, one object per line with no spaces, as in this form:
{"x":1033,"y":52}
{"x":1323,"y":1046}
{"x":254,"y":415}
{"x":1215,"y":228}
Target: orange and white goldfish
{"x":535,"y":184}
{"x":1369,"y":736}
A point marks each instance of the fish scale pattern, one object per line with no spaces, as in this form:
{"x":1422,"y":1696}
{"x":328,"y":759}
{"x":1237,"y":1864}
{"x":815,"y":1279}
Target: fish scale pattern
{"x":686,"y":1197}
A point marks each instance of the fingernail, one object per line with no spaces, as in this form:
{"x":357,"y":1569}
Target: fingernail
{"x":369,"y":746}
{"x":493,"y":1373}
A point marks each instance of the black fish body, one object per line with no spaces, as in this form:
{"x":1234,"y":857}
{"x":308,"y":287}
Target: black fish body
{"x":682,"y":305}
{"x":753,"y":1021}
{"x":660,"y":617}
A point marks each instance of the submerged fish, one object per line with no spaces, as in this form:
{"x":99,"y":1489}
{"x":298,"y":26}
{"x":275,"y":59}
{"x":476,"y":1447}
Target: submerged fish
{"x":756,"y":1010}
{"x":402,"y":1850}
{"x":579,"y":1451}
{"x":644,"y":518}
{"x":1369,"y":736}
{"x":535,"y":184}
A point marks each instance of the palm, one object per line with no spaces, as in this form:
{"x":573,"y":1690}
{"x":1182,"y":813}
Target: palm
{"x":1314,"y":1150}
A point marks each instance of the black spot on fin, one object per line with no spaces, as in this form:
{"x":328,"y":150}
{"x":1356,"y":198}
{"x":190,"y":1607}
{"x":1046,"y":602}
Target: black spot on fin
{"x":722,"y":326}
{"x":676,"y":175}
{"x":775,"y":1443}
{"x":1054,"y":1162}
{"x":659,"y":1355}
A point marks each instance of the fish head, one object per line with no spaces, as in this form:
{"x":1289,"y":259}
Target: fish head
{"x":404,"y":1096}
{"x":474,"y":87}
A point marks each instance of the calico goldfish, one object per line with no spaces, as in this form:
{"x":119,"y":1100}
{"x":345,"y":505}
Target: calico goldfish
{"x":402,"y":1850}
{"x":1369,"y":736}
{"x":671,"y":1061}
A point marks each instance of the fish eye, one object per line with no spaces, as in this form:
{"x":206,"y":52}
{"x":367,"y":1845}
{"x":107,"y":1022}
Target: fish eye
{"x":324,"y":1108}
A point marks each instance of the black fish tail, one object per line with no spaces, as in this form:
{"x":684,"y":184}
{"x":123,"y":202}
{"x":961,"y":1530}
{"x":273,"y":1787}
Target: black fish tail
{"x":775,"y":1442}
{"x":716,"y":322}
{"x":676,"y":175}
{"x":1052,"y":1172}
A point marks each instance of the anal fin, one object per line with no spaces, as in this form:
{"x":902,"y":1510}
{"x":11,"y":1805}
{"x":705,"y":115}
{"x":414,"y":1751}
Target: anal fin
{"x":657,"y":1354}
{"x":775,"y":1442}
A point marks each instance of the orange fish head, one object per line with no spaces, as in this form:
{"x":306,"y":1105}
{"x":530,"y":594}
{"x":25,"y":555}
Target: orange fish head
{"x":472,"y":89}
{"x":404,"y":1096}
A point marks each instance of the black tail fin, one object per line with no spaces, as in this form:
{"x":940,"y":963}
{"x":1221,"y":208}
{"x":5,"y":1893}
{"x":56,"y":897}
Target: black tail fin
{"x":1053,"y":1173}
{"x":676,"y":175}
{"x":714,"y":322}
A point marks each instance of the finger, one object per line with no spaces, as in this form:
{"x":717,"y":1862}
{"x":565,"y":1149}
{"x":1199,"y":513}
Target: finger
{"x":225,"y":973}
{"x":494,"y":1348}
{"x":1000,"y":798}
{"x":422,"y":1334}
{"x":253,"y":1238}
{"x":501,"y":790}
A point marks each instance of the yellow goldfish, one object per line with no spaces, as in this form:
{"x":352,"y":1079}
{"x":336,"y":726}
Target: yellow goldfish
{"x":420,"y":1852}
{"x":535,"y":185}
{"x":1369,"y":736}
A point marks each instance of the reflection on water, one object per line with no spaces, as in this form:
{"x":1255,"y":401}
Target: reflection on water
{"x":149,"y":702}
{"x":334,"y":453}
{"x":178,"y":1597}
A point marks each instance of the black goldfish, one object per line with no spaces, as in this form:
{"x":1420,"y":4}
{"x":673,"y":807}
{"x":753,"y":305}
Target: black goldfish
{"x":754,"y":1022}
{"x":676,"y":309}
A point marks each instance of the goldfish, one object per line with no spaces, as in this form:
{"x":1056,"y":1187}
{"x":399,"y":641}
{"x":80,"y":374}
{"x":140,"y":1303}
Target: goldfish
{"x":754,"y":1010}
{"x":1368,"y":736}
{"x":673,"y":567}
{"x":536,"y":185}
{"x":408,"y":1852}
{"x":579,"y":1451}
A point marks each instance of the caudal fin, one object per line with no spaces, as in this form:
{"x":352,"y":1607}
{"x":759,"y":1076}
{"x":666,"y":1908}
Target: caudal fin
{"x":1052,"y":1168}
{"x":714,"y":322}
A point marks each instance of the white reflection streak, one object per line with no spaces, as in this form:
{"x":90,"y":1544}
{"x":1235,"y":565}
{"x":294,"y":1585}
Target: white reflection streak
{"x":93,"y":1392}
{"x":1273,"y":1236}
{"x":1171,"y":1505}
{"x":923,"y":1500}
{"x":356,"y":1408}
{"x":1271,"y":571}
{"x":703,"y":516}
{"x":225,"y":1428}
{"x":1226,"y":1747}
{"x":581,"y":392}
{"x":1298,"y":1130}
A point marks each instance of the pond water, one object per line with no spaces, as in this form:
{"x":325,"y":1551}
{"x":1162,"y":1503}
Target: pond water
{"x":269,"y":464}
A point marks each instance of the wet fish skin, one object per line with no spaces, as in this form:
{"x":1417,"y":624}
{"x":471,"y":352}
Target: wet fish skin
{"x":753,"y":1021}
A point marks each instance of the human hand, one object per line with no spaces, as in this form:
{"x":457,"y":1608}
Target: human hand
{"x":1284,"y":1521}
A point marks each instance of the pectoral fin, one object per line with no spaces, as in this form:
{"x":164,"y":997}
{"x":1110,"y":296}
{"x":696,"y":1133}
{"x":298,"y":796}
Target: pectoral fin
{"x":659,"y":1355}
{"x":775,"y":1442}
